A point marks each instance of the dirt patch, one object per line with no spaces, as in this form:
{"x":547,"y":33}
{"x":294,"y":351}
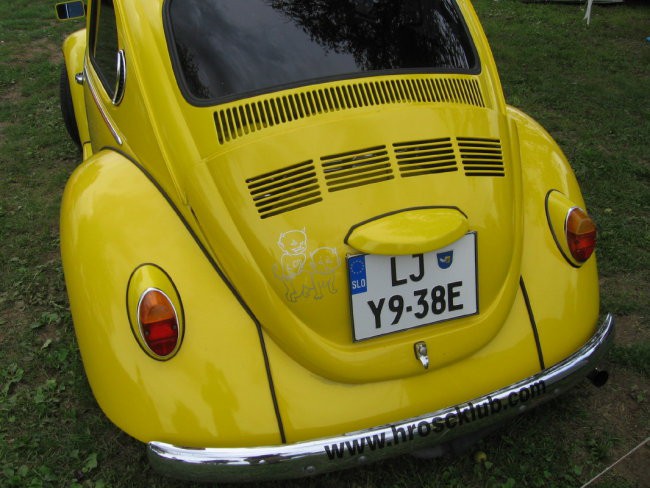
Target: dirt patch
{"x":10,"y":94}
{"x":633,"y":468}
{"x":40,"y":49}
{"x":631,"y":288}
{"x":3,"y":126}
{"x":630,"y":330}
{"x":619,"y":420}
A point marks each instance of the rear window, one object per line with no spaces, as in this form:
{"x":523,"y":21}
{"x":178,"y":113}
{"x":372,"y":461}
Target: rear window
{"x":228,"y":48}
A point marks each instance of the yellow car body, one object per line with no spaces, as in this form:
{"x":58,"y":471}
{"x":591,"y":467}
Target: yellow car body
{"x":244,"y":213}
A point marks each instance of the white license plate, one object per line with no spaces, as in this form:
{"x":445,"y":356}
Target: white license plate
{"x":394,"y":293}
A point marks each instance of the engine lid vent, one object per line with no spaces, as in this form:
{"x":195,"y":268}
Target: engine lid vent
{"x":285,"y":189}
{"x":425,"y":157}
{"x":299,"y":185}
{"x":481,"y":157}
{"x":239,"y":119}
{"x":357,"y":168}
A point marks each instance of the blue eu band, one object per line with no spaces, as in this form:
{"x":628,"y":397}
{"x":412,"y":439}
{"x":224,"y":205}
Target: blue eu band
{"x":357,"y":274}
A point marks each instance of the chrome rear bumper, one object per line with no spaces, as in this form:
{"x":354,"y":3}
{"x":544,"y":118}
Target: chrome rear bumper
{"x":356,"y":448}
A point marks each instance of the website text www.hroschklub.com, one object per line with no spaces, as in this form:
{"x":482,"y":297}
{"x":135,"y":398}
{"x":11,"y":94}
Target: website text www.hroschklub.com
{"x":456,"y":417}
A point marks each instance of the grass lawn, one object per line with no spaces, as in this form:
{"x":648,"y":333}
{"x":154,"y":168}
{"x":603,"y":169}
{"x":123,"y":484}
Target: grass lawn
{"x":588,"y":86}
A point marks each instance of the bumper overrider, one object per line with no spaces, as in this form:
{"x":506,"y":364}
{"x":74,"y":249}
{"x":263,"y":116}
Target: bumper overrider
{"x":409,"y":435}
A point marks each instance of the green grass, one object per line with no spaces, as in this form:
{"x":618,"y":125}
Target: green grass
{"x":590,"y":87}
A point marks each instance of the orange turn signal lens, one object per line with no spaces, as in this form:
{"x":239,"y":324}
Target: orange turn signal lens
{"x":158,"y":322}
{"x":580,"y":234}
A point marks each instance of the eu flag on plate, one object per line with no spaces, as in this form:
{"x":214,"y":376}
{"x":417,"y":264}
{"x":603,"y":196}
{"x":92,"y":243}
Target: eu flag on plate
{"x":357,"y":274}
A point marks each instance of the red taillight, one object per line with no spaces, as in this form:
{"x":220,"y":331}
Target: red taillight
{"x":580,"y":234}
{"x":158,"y":322}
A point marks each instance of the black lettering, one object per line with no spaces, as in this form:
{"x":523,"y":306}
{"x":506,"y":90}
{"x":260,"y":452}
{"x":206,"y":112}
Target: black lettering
{"x":393,"y":274}
{"x":463,"y":416}
{"x":376,"y":311}
{"x":411,"y":428}
{"x":355,"y":447}
{"x":448,"y":420}
{"x":483,"y":410}
{"x":424,"y":429}
{"x":422,"y":302}
{"x":438,"y":304}
{"x":513,"y":399}
{"x":453,"y":294}
{"x":471,"y":408}
{"x":524,"y":395}
{"x":537,"y":389}
{"x":438,"y":424}
{"x":495,"y":405}
{"x":466,"y":413}
{"x":396,"y":305}
{"x":397,"y":433}
{"x":418,"y":277}
{"x":335,"y":451}
{"x":377,"y":442}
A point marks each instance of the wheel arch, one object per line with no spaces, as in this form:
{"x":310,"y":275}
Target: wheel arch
{"x":216,"y":389}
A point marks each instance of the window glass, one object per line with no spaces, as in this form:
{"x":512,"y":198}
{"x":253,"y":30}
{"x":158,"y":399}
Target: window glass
{"x":104,"y":52}
{"x":223,"y":48}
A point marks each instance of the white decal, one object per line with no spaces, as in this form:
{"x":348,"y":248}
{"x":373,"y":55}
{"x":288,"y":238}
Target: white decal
{"x":305,"y":274}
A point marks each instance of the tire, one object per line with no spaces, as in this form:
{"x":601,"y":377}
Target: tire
{"x":67,"y":109}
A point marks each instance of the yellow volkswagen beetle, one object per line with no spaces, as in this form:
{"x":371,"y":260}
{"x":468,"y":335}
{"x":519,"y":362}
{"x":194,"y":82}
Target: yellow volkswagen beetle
{"x":311,"y":235}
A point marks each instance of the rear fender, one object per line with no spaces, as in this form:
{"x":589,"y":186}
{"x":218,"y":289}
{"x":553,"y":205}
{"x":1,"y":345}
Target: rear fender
{"x":215,"y":390}
{"x":562,"y":299}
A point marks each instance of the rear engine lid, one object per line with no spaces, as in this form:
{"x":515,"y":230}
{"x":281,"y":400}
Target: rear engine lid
{"x":277,"y":203}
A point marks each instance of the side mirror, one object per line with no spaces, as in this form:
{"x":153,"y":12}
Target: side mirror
{"x":70,"y":10}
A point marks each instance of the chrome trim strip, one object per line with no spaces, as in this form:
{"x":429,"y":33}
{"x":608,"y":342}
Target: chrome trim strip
{"x":120,"y":84}
{"x":102,"y":112}
{"x":314,"y":457}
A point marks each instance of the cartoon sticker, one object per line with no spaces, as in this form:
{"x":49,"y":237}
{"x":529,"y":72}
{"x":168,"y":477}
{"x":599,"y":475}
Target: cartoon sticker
{"x":305,"y":274}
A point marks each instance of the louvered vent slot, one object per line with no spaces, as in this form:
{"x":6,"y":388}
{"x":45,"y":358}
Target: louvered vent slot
{"x":425,"y":157}
{"x":481,"y":157}
{"x":352,"y":169}
{"x":239,"y":120}
{"x":285,"y":189}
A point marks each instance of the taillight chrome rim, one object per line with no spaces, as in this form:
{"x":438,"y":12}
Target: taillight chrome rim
{"x":160,"y":337}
